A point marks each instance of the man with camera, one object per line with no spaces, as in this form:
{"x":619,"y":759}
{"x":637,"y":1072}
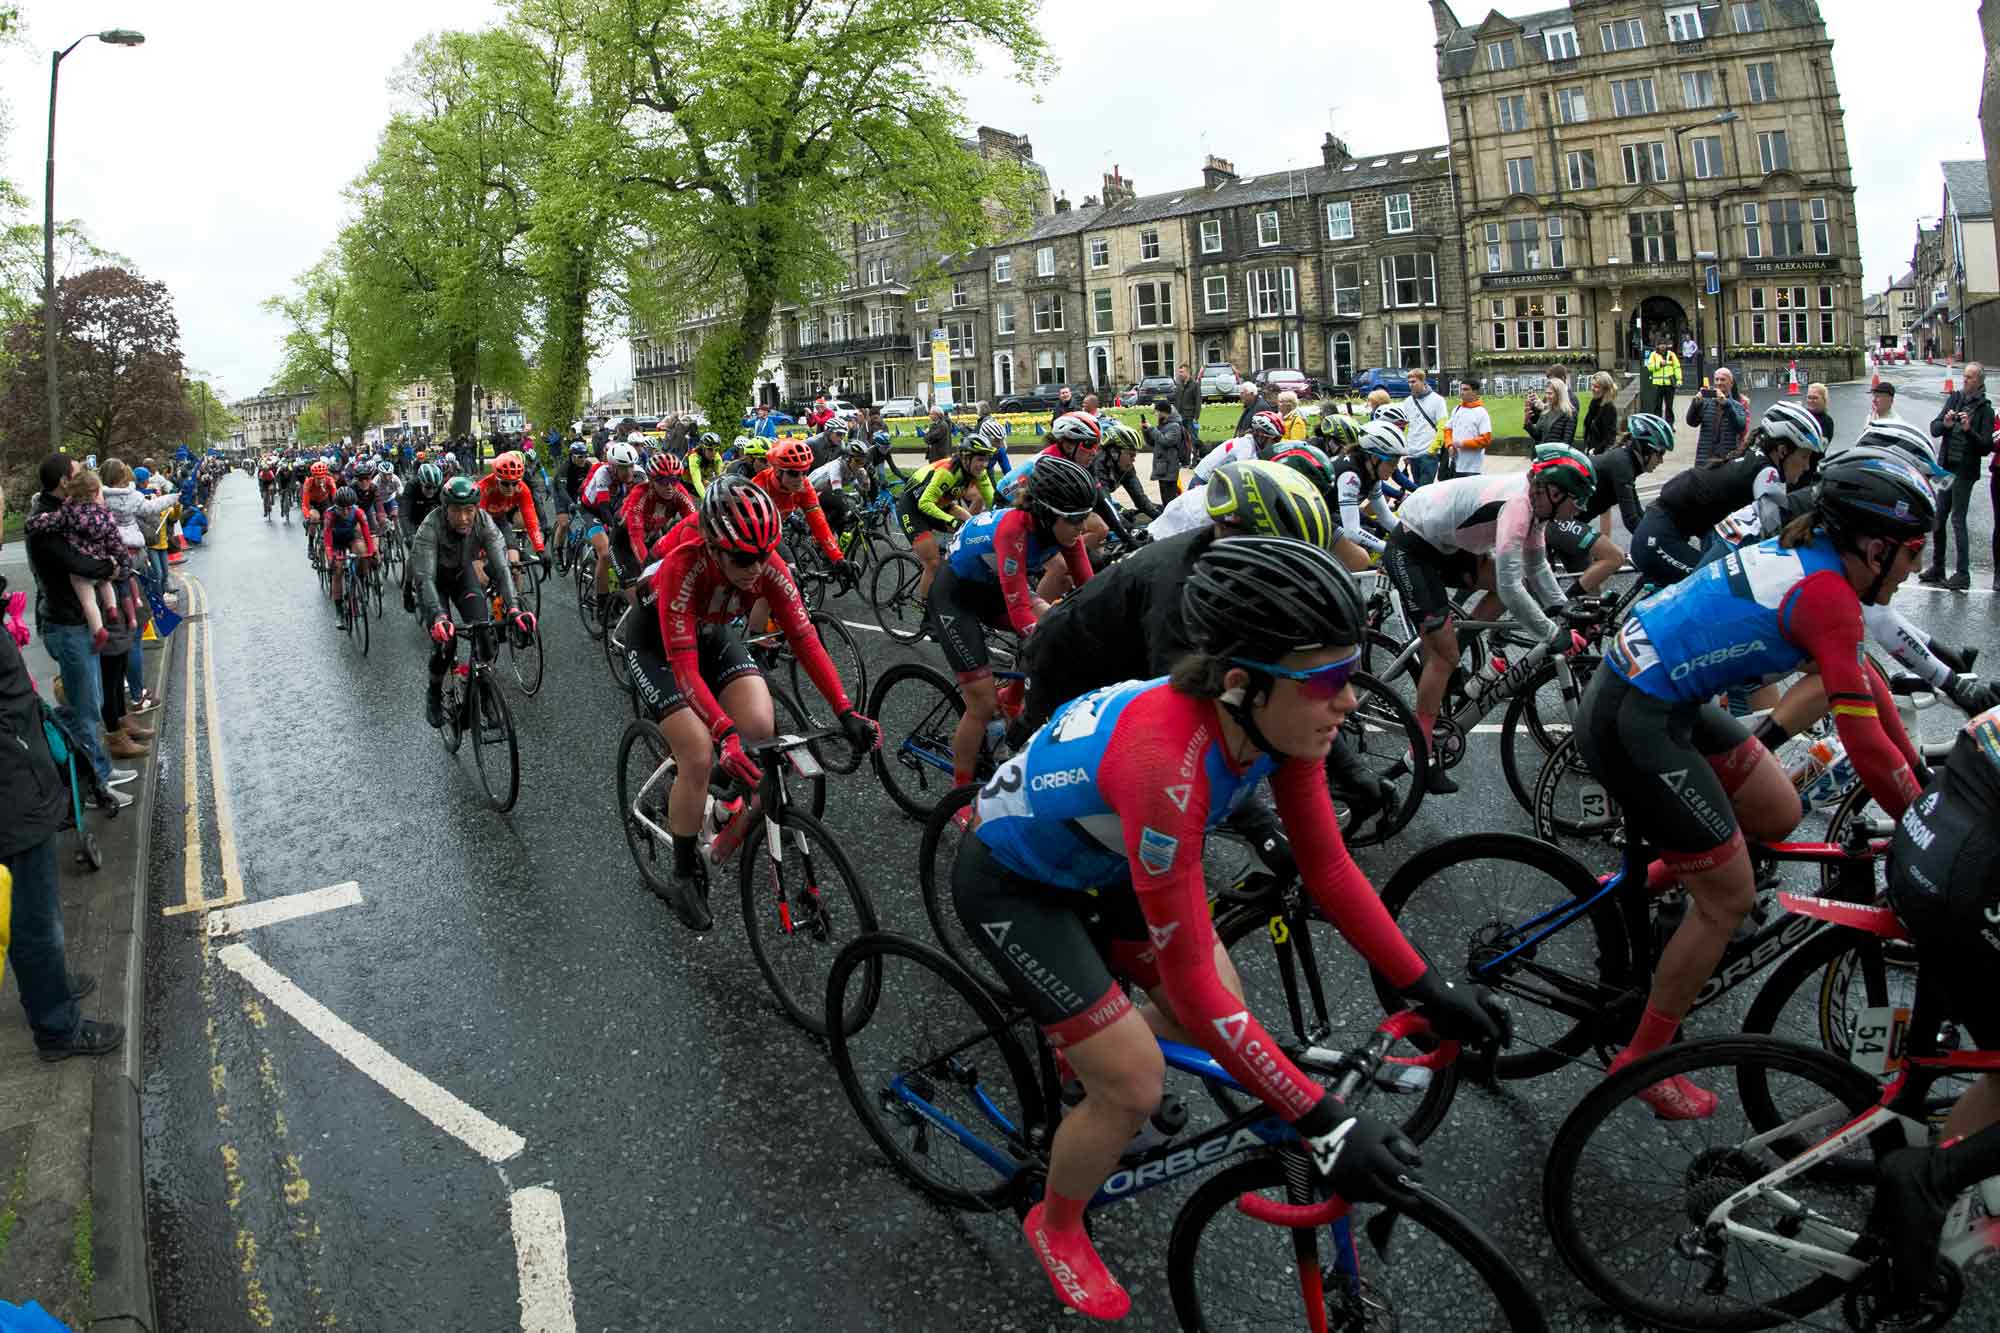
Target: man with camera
{"x":1964,"y":431}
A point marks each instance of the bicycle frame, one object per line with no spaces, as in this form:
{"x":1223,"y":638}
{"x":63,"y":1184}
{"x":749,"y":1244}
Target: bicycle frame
{"x":769,"y":797}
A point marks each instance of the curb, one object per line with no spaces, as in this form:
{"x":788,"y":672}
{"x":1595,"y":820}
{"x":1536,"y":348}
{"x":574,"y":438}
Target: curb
{"x":122,"y":1290}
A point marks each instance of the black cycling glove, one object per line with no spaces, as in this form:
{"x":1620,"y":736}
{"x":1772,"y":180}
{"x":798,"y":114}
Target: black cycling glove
{"x":1363,"y":1159}
{"x":1460,"y":1013}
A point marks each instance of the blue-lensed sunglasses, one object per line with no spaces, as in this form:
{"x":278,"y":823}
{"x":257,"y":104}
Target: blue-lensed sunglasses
{"x":1321,"y":682}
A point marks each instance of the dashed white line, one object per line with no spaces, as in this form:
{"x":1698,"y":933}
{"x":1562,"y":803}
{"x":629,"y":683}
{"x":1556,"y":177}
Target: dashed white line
{"x":541,"y":1254}
{"x":270,"y":911}
{"x":484,"y":1135}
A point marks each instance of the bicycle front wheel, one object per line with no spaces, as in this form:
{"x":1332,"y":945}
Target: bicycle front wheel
{"x":641,"y":751}
{"x":918,"y":709}
{"x":527,"y":663}
{"x":802,"y":903}
{"x":937,"y":854}
{"x":1383,"y":733}
{"x":1228,"y":1270}
{"x":892,"y":592}
{"x":496,"y":752}
{"x":361,"y":621}
{"x":586,"y":595}
{"x":1627,"y":1196}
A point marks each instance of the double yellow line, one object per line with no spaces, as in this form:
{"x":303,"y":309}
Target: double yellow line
{"x":200,"y":647}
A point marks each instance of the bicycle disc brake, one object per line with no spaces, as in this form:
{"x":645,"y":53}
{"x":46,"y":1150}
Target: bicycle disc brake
{"x":1447,"y":742}
{"x":1869,"y":1308}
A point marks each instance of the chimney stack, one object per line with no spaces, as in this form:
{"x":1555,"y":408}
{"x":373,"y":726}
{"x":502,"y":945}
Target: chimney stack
{"x":1062,"y":203}
{"x":1333,"y":151}
{"x":1117,"y":189}
{"x":1217,"y":171}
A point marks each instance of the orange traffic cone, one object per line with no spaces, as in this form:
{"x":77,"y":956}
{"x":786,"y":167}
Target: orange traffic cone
{"x":1947,"y":376}
{"x":1875,"y":381}
{"x":1792,"y":381}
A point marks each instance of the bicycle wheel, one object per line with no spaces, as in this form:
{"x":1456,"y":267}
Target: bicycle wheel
{"x":1627,"y":1196}
{"x":452,"y":733}
{"x":1383,"y":733}
{"x":918,"y":709}
{"x":1468,"y":903}
{"x":786,"y":713}
{"x":892,"y":592}
{"x":848,"y":664}
{"x":1535,"y":723}
{"x":586,"y":596}
{"x":800,"y":912}
{"x":496,"y":751}
{"x":937,"y":853}
{"x":615,"y":642}
{"x":808,"y":566}
{"x":527,"y":664}
{"x":375,"y":587}
{"x":360,"y":622}
{"x":1857,"y":813}
{"x":641,"y":751}
{"x":936,"y":1063}
{"x":1569,"y":802}
{"x":1228,"y":1270}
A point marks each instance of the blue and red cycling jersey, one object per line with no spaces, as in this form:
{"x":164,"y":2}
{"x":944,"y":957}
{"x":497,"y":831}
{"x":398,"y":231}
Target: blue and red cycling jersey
{"x":1007,"y":547}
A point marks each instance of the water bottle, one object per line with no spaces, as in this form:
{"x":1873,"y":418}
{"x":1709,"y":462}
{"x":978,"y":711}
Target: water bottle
{"x":996,"y":734}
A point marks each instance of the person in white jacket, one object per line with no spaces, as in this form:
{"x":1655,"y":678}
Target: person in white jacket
{"x":127,"y":504}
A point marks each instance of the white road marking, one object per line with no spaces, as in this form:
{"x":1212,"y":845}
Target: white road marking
{"x":855,"y":624}
{"x":485,"y":1136}
{"x":270,"y":911}
{"x":541,"y":1253}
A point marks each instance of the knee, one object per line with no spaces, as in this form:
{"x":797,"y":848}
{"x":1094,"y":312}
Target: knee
{"x":695,"y":763}
{"x":1132,"y":1088}
{"x":1724,"y":907}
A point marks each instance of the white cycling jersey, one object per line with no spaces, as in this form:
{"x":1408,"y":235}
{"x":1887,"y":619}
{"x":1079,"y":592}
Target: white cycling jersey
{"x":1184,"y":513}
{"x":1242,"y":449}
{"x":1491,"y":515}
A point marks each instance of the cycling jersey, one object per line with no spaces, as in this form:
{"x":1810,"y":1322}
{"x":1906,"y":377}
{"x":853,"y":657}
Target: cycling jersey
{"x":1701,"y":497}
{"x":834,"y":473}
{"x":646,"y":517}
{"x":1617,"y":484}
{"x":690,"y":590}
{"x":942,"y":483}
{"x":1013,"y":487}
{"x":1185,"y":513}
{"x":367,"y":495}
{"x":267,"y":477}
{"x":421,"y":507}
{"x":1242,"y":449}
{"x":502,"y":502}
{"x":603,"y":494}
{"x":345,"y":528}
{"x":1007,"y":547}
{"x":803,"y":500}
{"x":570,"y":478}
{"x":702,"y":471}
{"x":317,"y":492}
{"x":1491,"y":516}
{"x":1353,"y":485}
{"x":1120,"y":789}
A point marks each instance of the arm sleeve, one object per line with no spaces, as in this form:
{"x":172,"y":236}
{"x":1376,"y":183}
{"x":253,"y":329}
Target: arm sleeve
{"x":1078,"y":559}
{"x":986,"y":485}
{"x":1823,"y":617}
{"x":632,"y":514}
{"x":931,"y":500}
{"x":678,"y":631}
{"x":497,"y":571}
{"x":1511,"y":572}
{"x":1909,"y":646}
{"x":1630,"y":510}
{"x":1010,"y":551}
{"x":423,"y":569}
{"x":1892,"y":721}
{"x":529,"y":520}
{"x":789,"y":610}
{"x":816,"y":522}
{"x":1343,"y":894}
{"x":1114,"y":520}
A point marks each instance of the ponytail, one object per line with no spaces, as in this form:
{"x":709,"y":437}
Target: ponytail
{"x":1799,"y":531}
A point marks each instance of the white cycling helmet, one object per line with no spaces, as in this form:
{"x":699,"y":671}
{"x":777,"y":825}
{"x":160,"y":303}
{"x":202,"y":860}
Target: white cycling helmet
{"x":1384,"y":439}
{"x":1795,"y":426}
{"x":637,"y":439}
{"x":621,"y":455}
{"x":1902,"y":438}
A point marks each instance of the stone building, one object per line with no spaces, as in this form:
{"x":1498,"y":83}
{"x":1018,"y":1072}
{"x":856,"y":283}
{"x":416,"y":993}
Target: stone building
{"x":271,"y":418}
{"x":1971,"y":274}
{"x":415,"y":411}
{"x":1616,"y":161}
{"x":1932,"y":330}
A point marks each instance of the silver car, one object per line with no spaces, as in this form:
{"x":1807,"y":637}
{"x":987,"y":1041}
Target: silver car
{"x":1219,"y":381}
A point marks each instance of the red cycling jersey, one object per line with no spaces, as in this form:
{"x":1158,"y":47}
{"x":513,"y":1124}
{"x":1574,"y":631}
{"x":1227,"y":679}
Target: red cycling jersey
{"x":1010,"y":545}
{"x":1824,"y":620}
{"x":647,"y":517}
{"x":806,"y":498}
{"x":317,"y":493}
{"x":691,"y":590}
{"x":500,"y":503}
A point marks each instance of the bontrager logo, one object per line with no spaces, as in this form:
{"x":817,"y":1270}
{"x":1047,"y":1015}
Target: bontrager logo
{"x":1715,"y":658}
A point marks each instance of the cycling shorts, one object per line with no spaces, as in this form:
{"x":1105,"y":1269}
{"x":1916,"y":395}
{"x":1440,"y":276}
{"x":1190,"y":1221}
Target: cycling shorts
{"x":1661,"y":551}
{"x":629,"y":564}
{"x":1570,"y":540}
{"x":723,"y":655}
{"x":1671,"y":767}
{"x":960,"y":610}
{"x":1426,"y":577}
{"x":1942,"y":885}
{"x":1060,"y":951}
{"x":916,"y":523}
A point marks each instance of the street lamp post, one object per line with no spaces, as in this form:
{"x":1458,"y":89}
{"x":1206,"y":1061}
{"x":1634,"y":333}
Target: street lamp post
{"x":1694,"y":264}
{"x":116,"y":37}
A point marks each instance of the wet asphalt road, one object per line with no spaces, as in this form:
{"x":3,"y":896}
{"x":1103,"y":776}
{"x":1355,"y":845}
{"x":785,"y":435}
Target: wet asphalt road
{"x":711,"y":1174}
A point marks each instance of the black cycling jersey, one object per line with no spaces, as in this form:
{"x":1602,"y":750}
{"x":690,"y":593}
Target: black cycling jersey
{"x":1617,"y":484}
{"x":573,"y":472}
{"x":1701,"y":497}
{"x":1125,"y":624}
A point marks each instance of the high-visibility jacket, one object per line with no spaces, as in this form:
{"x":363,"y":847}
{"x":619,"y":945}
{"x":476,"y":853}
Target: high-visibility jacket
{"x":1663,"y":370}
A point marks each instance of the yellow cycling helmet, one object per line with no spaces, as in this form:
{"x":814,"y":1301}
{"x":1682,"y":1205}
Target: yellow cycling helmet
{"x":756,"y":447}
{"x":1269,"y":499}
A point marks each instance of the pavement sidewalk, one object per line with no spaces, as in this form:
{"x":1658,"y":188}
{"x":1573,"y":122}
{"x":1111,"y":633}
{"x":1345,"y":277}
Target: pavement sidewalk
{"x":72,"y":1190}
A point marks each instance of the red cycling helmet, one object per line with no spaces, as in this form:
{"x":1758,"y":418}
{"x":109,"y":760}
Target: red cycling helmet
{"x":791,"y":456}
{"x":738,"y":516}
{"x":509,"y":467}
{"x":320,"y":469}
{"x":1267,"y":426}
{"x":664,"y":466}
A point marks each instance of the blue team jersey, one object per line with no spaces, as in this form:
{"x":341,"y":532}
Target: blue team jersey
{"x":1728,"y":623}
{"x":973,"y":553}
{"x":1047,"y":814}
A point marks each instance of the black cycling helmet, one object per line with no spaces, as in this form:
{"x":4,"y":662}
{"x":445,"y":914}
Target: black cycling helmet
{"x":345,"y":497}
{"x":708,"y":440}
{"x":1874,"y":496}
{"x":1058,"y":488}
{"x":1341,"y":429}
{"x":1268,"y":499}
{"x":1258,"y":598}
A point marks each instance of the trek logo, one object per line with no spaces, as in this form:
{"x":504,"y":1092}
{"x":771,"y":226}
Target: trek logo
{"x":997,"y":930}
{"x":1069,"y":777}
{"x":1233,"y":1027}
{"x":1178,"y":1164}
{"x":1162,"y":934}
{"x":1716,"y":658}
{"x":1179,"y":794}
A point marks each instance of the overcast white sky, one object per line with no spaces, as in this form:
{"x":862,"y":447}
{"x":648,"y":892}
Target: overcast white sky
{"x":214,"y":155}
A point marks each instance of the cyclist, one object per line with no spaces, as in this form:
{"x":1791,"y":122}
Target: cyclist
{"x":569,"y":482}
{"x":935,"y":505}
{"x":704,"y":461}
{"x":1116,"y":795}
{"x":649,"y":511}
{"x":1361,"y":477}
{"x":367,"y":493}
{"x":314,"y":497}
{"x":882,"y":459}
{"x":1691,"y":779}
{"x":426,"y":494}
{"x":785,"y":482}
{"x":267,"y":481}
{"x":453,"y":540}
{"x":1076,"y":438}
{"x":346,"y":525}
{"x":388,"y":493}
{"x":696,"y":676}
{"x":602,"y":497}
{"x":1485,"y":532}
{"x":1574,"y":541}
{"x":504,"y":494}
{"x":832,"y":479}
{"x":751,"y":453}
{"x":1775,"y":457}
{"x":1114,"y":469}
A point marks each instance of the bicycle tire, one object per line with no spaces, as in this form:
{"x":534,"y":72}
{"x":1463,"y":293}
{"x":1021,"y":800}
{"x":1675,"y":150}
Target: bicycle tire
{"x":785,"y":711}
{"x":796,"y":938}
{"x":892,"y":595}
{"x":615,"y":646}
{"x":1489,"y":1293}
{"x":937,"y":853}
{"x":1517,"y":722}
{"x":808,"y":565}
{"x":361,"y":620}
{"x":529,"y":664}
{"x":653,"y":858}
{"x":586,"y":598}
{"x":452,"y":692}
{"x":1383,"y":732}
{"x":1380,"y":649}
{"x":1604,"y":955}
{"x":1597,"y":813}
{"x":1709,"y":1176}
{"x":870,"y":1094}
{"x":496,"y":756}
{"x":914,"y":763}
{"x":848,"y":664}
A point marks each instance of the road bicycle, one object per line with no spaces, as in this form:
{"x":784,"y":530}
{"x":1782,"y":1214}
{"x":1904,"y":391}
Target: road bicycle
{"x":801,"y":898}
{"x":960,"y":1091}
{"x":1762,"y":1213}
{"x":393,"y":553}
{"x":353,"y":604}
{"x":526,"y":658}
{"x":774,"y":651}
{"x":475,"y":706}
{"x":597,"y":612}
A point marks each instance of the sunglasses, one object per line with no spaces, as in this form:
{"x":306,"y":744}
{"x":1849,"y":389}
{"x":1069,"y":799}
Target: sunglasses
{"x":739,"y":559}
{"x":1318,"y":683}
{"x":1065,"y":516}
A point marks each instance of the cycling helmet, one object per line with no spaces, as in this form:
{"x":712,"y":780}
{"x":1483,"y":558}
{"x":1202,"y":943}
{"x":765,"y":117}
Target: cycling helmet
{"x":509,"y":467}
{"x":975,"y":443}
{"x":880,"y":439}
{"x":756,"y":446}
{"x":1567,"y":469}
{"x":578,"y":449}
{"x":837,"y":426}
{"x":1650,"y":432}
{"x":1269,"y":499}
{"x":461,"y":491}
{"x":1872,"y":496}
{"x":1382,"y":439}
{"x":1078,"y":428}
{"x":320,"y":469}
{"x":663,"y":466}
{"x":1338,"y":427}
{"x":637,"y":439}
{"x":1787,"y":423}
{"x":429,"y":477}
{"x":345,"y":497}
{"x":1310,"y":462}
{"x":792,"y":456}
{"x":708,"y":442}
{"x":1902,"y":438}
{"x":1266,"y":427}
{"x":1394,"y":413}
{"x":1258,"y":598}
{"x":738,"y":516}
{"x":1118,"y":435}
{"x":854,"y":448}
{"x":1058,"y":488}
{"x":994,"y":430}
{"x":621,"y":455}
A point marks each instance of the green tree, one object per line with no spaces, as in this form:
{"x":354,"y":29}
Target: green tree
{"x":210,"y":420}
{"x":326,"y":350}
{"x":760,"y":126}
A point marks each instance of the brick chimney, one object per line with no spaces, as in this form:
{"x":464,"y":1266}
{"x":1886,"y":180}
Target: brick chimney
{"x":1333,"y":151}
{"x":1117,"y":190}
{"x":1000,"y":144}
{"x":1217,"y":171}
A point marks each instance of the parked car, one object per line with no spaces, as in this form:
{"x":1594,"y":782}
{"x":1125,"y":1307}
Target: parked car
{"x":1276,"y":380}
{"x":1397,"y":382}
{"x":1035,"y":398}
{"x":1152,"y":389}
{"x":1219,"y":381}
{"x":902,"y":407}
